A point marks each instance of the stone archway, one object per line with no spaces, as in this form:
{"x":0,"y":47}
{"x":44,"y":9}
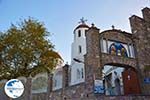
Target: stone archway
{"x":119,"y":79}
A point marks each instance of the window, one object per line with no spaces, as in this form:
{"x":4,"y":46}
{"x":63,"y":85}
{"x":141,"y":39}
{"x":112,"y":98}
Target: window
{"x":103,"y":46}
{"x":80,"y":49}
{"x":57,"y":80}
{"x":86,"y":31}
{"x":82,"y":73}
{"x":78,"y":74}
{"x":131,"y":49}
{"x":79,"y":33}
{"x":55,"y":83}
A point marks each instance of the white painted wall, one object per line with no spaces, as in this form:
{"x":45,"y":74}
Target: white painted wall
{"x":75,"y":66}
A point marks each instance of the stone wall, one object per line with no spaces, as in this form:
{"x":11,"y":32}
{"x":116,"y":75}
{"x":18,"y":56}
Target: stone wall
{"x":117,"y":35}
{"x":141,"y":33}
{"x":39,"y":96}
{"x":69,"y":93}
{"x":121,"y":61}
{"x":78,"y":92}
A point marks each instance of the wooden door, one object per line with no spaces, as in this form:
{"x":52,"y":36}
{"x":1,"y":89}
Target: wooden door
{"x":130,"y":82}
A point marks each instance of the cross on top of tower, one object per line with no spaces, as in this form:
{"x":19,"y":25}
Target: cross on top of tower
{"x":82,"y":20}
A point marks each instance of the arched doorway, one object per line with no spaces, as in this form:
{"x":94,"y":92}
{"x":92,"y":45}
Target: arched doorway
{"x":120,"y":80}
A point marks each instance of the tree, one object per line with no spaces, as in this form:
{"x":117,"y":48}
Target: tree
{"x":25,"y":50}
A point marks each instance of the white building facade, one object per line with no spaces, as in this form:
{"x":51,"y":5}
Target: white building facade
{"x":78,"y":50}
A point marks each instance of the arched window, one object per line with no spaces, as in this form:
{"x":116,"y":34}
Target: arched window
{"x":80,"y":49}
{"x":55,"y":83}
{"x":82,"y":73}
{"x":85,"y":32}
{"x":78,"y":74}
{"x":57,"y":80}
{"x":79,"y":33}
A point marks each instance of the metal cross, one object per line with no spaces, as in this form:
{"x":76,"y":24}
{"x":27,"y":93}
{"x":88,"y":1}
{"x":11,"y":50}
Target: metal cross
{"x":82,"y":20}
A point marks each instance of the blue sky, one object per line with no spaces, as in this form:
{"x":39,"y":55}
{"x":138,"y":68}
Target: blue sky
{"x":62,"y":16}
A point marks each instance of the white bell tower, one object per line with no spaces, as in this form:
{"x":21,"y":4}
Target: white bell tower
{"x":78,"y":50}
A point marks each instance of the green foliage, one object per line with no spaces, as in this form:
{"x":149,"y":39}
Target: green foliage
{"x":25,"y":51}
